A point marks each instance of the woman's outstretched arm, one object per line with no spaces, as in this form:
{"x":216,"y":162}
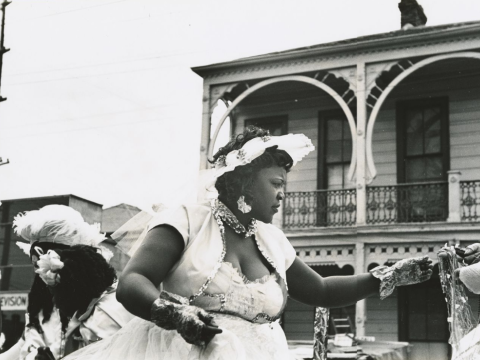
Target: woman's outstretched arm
{"x":308,"y":287}
{"x":141,"y":278}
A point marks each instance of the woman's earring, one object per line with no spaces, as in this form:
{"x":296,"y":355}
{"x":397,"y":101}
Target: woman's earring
{"x":243,"y":206}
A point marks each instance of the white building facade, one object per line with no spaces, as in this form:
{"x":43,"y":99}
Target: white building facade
{"x":395,"y":119}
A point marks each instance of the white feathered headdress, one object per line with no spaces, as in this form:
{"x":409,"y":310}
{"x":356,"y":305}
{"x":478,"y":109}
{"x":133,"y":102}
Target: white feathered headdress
{"x":57,"y":224}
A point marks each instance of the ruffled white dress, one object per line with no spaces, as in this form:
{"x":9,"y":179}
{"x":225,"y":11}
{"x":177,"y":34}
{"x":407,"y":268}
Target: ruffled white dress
{"x":246,"y":311}
{"x":103,"y":318}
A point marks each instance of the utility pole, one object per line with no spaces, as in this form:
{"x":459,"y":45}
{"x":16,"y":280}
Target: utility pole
{"x":3,"y":50}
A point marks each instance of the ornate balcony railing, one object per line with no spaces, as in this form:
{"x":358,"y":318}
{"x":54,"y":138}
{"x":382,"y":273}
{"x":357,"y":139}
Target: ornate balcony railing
{"x":407,"y":203}
{"x":470,"y":200}
{"x":320,"y":208}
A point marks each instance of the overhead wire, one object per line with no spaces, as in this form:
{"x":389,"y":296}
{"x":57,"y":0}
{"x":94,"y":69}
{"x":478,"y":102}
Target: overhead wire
{"x":105,"y":64}
{"x":78,"y":9}
{"x":92,"y":116}
{"x":87,"y":128}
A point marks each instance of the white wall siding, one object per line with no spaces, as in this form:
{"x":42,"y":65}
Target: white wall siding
{"x":464,"y":125}
{"x":382,"y":318}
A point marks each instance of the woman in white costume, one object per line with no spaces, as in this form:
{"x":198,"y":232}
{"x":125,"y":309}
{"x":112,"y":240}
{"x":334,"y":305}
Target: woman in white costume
{"x":226,"y":271}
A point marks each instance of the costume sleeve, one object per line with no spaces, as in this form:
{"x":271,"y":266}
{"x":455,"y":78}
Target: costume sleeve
{"x":470,"y":276}
{"x":277,"y":246}
{"x":33,"y":340}
{"x":287,"y":249}
{"x":14,"y":352}
{"x":103,"y":318}
{"x":177,"y":218}
{"x":290,"y":253}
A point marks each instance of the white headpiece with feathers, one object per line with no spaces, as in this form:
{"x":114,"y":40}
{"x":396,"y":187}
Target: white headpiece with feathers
{"x":57,"y":224}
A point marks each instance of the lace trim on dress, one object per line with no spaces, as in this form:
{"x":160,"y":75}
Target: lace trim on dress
{"x":262,"y":280}
{"x":272,"y":263}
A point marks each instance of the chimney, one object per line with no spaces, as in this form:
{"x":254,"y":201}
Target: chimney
{"x":412,"y":14}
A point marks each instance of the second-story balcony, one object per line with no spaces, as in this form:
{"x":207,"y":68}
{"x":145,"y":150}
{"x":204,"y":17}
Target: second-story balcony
{"x":453,"y":201}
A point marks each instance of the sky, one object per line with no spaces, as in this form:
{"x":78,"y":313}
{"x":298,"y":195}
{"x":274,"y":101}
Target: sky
{"x":101,"y":100}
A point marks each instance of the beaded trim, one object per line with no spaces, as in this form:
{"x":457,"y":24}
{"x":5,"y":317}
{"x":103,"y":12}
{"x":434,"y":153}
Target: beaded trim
{"x":266,"y":317}
{"x":224,"y":213}
{"x":270,"y":261}
{"x":222,"y":298}
{"x":219,"y":262}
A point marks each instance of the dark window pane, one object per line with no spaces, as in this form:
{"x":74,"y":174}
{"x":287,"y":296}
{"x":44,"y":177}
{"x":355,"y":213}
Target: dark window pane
{"x":432,"y":127}
{"x":335,"y":176}
{"x":275,"y":129}
{"x":334,"y":151}
{"x":338,"y":151}
{"x":347,"y":135}
{"x":425,"y":311}
{"x":334,"y":129}
{"x":275,"y":125}
{"x":347,"y":150}
{"x":346,"y":181}
{"x":415,"y":169}
{"x":414,"y":123}
{"x":433,"y":168}
{"x":417,"y":322}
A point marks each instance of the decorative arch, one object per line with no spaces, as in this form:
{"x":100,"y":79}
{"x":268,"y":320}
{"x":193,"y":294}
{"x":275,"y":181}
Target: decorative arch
{"x":390,"y":87}
{"x":304,"y":79}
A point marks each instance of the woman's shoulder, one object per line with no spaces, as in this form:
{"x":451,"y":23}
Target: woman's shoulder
{"x":270,"y":229}
{"x":187,"y":219}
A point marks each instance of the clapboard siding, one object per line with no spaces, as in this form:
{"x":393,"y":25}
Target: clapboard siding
{"x":464,"y":135}
{"x":382,"y":318}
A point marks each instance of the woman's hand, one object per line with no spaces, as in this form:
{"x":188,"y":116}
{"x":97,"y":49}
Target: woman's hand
{"x":472,"y":254}
{"x":413,"y":271}
{"x":405,"y":272}
{"x":194,"y":324}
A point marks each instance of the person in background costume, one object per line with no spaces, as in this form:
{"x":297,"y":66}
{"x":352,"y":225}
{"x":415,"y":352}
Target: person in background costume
{"x":226,"y":271}
{"x":63,"y":245}
{"x":469,"y":270}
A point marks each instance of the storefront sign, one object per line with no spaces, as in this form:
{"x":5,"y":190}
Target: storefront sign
{"x":14,"y":301}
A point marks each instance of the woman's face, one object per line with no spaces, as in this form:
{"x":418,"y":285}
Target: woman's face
{"x":268,"y":191}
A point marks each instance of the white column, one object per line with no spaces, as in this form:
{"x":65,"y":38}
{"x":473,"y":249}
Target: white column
{"x":454,"y":196}
{"x":206,"y":125}
{"x":361,"y":306}
{"x":361,"y":163}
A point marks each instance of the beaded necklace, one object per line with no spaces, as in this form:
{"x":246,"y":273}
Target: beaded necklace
{"x":224,"y":213}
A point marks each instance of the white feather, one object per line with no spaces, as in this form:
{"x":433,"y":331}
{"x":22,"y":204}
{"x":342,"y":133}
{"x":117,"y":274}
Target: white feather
{"x":59,"y":224}
{"x":25,"y":247}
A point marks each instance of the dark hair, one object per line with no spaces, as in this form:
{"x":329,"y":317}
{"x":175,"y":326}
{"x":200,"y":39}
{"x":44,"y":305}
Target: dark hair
{"x":39,"y":297}
{"x":240,"y":181}
{"x":84,"y":277}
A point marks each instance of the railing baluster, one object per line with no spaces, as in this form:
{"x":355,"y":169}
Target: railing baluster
{"x":406,"y":203}
{"x":470,"y":200}
{"x":319,"y":208}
